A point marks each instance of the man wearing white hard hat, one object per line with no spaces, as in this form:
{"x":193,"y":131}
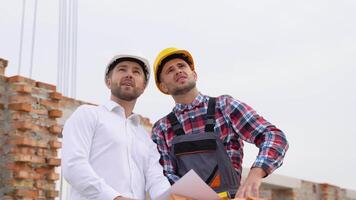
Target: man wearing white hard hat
{"x":107,"y":154}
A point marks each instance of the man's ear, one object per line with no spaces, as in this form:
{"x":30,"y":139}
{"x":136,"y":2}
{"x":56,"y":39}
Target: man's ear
{"x":145,"y":84}
{"x":195,"y":75}
{"x":163,"y":87}
{"x":108,"y":82}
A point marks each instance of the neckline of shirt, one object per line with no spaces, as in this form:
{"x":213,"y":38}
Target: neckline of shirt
{"x":111,"y":106}
{"x":199,"y":99}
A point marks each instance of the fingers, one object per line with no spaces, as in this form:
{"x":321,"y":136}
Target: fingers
{"x":255,"y":190}
{"x":243,"y":191}
{"x":248,"y":190}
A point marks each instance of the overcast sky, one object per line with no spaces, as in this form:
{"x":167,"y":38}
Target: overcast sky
{"x":293,"y":61}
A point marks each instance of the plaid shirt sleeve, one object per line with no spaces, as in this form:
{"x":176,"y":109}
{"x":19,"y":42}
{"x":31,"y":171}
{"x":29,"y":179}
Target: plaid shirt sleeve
{"x":255,"y":129}
{"x":158,"y":131}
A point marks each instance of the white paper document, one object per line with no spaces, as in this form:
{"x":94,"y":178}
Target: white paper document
{"x":191,"y":185}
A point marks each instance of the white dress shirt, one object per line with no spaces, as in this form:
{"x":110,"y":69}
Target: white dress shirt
{"x":106,"y":155}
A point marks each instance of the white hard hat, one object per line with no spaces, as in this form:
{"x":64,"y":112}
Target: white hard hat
{"x":140,"y":59}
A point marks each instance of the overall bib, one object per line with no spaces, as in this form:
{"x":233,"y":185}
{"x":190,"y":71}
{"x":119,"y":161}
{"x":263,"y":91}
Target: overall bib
{"x":205,"y":154}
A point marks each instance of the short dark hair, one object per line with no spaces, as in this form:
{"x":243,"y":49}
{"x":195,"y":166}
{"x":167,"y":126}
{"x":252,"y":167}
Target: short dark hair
{"x":117,"y":61}
{"x":171,"y":57}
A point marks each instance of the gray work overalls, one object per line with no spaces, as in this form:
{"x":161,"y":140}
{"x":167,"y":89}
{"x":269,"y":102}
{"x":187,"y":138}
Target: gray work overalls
{"x":204,"y":153}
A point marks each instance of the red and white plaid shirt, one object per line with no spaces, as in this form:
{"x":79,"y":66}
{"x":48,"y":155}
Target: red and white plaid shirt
{"x":235,"y":122}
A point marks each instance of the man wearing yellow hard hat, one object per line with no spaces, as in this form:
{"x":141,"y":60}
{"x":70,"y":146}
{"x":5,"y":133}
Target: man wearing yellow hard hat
{"x":206,"y":133}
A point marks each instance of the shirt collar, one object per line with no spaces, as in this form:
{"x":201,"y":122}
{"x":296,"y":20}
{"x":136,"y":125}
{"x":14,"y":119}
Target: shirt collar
{"x":117,"y":108}
{"x":198,"y":101}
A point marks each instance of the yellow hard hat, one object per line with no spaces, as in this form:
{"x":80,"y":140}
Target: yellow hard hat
{"x":164,"y":54}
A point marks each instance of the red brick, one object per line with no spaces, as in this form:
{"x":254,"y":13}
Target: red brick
{"x":2,"y":106}
{"x":55,"y":129}
{"x":18,"y":166}
{"x":23,"y":150}
{"x":20,"y":107}
{"x":22,"y":175}
{"x":19,"y":79}
{"x":23,"y":89}
{"x":19,"y":116}
{"x":44,"y":185}
{"x":55,"y":144}
{"x":36,"y":91}
{"x":23,"y":141}
{"x":45,"y":86}
{"x":42,"y":195}
{"x":55,"y":113}
{"x":53,"y":153}
{"x":44,"y":152}
{"x":52,"y":194}
{"x":43,"y":172}
{"x":54,"y":161}
{"x":48,"y":103}
{"x":23,"y":125}
{"x":53,"y":176}
{"x":40,"y":111}
{"x":40,"y":129}
{"x":42,"y":144}
{"x":22,"y":183}
{"x":14,"y":79}
{"x":22,"y":99}
{"x":29,"y":158}
{"x":55,"y":95}
{"x":26,"y":193}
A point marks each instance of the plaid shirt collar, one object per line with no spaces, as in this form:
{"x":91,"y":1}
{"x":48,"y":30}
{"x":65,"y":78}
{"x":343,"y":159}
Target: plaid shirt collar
{"x":197,"y":102}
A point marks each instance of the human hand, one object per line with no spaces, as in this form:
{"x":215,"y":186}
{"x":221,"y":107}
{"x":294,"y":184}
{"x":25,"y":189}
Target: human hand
{"x":252,"y":184}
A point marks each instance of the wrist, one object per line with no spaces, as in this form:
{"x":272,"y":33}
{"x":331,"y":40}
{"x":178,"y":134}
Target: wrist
{"x":258,"y":172}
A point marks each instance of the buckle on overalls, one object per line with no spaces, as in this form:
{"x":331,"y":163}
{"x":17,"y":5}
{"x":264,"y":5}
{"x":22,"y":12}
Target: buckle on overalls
{"x":224,"y":195}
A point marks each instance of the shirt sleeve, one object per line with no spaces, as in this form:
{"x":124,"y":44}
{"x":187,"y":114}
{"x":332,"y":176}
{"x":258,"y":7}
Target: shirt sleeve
{"x":166,"y":160}
{"x":253,"y":128}
{"x":156,"y":182}
{"x":77,"y":139}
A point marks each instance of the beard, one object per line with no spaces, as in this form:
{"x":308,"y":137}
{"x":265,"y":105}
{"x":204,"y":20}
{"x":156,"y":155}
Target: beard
{"x":127,"y":95}
{"x":183,"y":90}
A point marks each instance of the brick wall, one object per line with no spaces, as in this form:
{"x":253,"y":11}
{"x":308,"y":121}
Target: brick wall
{"x":31,"y":119}
{"x":29,"y":139}
{"x":307,"y":191}
{"x":331,"y":192}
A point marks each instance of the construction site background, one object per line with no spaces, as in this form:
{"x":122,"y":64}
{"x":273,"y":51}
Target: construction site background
{"x":32,"y":114}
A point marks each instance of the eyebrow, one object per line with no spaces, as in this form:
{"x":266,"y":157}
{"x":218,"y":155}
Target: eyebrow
{"x":138,"y":68}
{"x":168,"y":68}
{"x":121,"y":65}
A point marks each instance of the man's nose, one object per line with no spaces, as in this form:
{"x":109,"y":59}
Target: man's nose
{"x":129,"y":74}
{"x":178,"y":71}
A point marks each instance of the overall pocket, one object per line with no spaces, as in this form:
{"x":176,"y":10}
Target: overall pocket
{"x":199,"y":155}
